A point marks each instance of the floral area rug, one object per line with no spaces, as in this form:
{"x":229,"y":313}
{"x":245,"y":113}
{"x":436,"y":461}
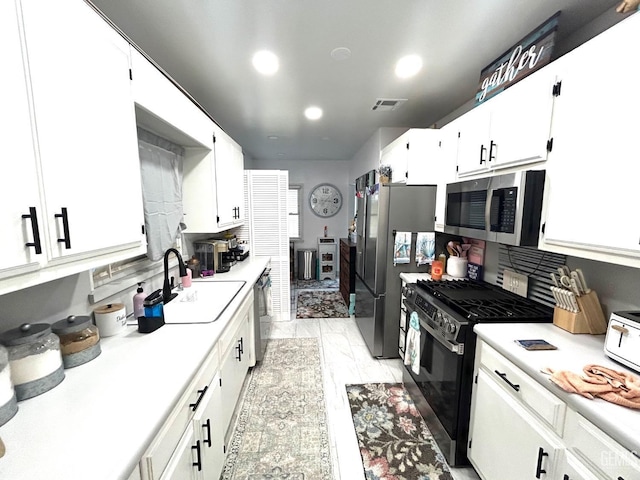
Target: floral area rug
{"x":316,"y":284}
{"x":395,"y":443}
{"x":281,"y":431}
{"x":321,"y":304}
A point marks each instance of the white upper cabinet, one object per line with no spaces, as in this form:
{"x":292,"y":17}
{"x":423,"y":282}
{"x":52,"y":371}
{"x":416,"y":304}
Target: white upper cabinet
{"x":414,"y":157}
{"x":84,"y":114}
{"x":446,"y":171}
{"x":510,"y":129}
{"x":229,"y":180}
{"x":20,"y":195}
{"x":473,"y":140}
{"x":213,"y":193}
{"x":592,"y":181}
{"x":396,"y":156}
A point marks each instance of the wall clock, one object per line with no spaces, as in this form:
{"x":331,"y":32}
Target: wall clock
{"x":325,"y":200}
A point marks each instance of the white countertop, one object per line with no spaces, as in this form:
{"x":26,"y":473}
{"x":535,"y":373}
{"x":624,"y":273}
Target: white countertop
{"x":100,"y":420}
{"x":575,"y":351}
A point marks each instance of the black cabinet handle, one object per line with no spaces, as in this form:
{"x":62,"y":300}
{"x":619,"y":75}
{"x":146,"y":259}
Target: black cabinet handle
{"x":65,"y":228}
{"x":194,"y":406}
{"x":491,"y":155}
{"x":239,"y":354}
{"x":207,"y":427}
{"x":241,"y":344}
{"x":541,"y":455}
{"x":566,"y":477}
{"x":198,"y":462}
{"x":503,"y":376}
{"x":32,"y":215}
{"x":482,"y":151}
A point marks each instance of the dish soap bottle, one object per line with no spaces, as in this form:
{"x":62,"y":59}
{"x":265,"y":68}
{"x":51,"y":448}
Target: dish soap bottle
{"x":138,"y":302}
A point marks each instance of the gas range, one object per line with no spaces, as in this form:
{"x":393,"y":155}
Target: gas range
{"x":446,"y":312}
{"x":465,"y":302}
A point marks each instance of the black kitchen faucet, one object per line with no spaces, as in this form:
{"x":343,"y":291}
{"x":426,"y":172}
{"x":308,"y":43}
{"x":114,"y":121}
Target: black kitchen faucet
{"x":167,"y":296}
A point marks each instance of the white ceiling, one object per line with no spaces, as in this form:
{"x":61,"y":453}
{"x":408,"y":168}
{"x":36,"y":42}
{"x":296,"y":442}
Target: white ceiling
{"x":207,"y":45}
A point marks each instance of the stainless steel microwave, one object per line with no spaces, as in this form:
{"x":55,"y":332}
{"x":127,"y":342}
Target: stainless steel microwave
{"x":502,"y":208}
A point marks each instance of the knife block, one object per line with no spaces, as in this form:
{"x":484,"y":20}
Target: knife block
{"x":590,"y":318}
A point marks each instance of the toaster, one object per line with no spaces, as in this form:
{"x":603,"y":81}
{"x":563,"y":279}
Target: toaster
{"x":622,"y":342}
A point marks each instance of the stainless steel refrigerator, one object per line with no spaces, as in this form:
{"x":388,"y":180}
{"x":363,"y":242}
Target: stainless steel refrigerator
{"x":383,"y":210}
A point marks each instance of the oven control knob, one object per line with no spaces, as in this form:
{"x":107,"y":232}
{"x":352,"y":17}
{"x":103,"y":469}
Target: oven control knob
{"x":439,"y":318}
{"x":451,"y":328}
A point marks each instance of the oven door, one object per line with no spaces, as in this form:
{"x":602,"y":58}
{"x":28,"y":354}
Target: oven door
{"x":438,"y":389}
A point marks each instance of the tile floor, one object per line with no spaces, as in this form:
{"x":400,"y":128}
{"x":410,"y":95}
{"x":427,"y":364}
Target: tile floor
{"x":346,"y":359}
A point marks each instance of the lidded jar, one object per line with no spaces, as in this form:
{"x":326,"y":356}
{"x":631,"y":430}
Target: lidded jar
{"x":79,"y":340}
{"x":8,"y":401}
{"x":34,"y":358}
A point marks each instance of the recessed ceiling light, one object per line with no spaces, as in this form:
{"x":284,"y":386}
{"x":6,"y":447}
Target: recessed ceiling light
{"x":272,"y":137}
{"x":265,"y":62}
{"x":408,"y":66}
{"x":313,"y":113}
{"x":341,"y":53}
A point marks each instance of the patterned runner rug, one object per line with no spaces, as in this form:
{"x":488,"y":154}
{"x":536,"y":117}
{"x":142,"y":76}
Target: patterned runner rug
{"x":321,"y":304}
{"x":395,"y":443}
{"x":317,"y":284}
{"x":281,"y":431}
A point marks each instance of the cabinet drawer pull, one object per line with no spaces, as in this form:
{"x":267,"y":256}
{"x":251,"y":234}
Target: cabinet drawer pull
{"x":34,"y":229}
{"x":483,"y":150}
{"x":241,"y":344}
{"x":207,"y":427}
{"x":239,"y":354}
{"x":566,"y":477}
{"x":198,"y":462}
{"x":541,"y":455}
{"x":65,"y":228}
{"x":194,"y":406}
{"x":503,"y":376}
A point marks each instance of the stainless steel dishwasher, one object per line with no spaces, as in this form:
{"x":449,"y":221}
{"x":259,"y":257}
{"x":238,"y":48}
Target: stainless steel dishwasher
{"x":261,"y":309}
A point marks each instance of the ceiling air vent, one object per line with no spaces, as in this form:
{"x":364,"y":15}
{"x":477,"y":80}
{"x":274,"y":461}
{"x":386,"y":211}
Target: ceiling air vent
{"x":388,"y":104}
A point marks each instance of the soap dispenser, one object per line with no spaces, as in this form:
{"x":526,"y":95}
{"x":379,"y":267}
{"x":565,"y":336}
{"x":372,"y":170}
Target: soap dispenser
{"x":138,"y":302}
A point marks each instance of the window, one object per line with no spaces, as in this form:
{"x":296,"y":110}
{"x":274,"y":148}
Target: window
{"x":294,"y":208}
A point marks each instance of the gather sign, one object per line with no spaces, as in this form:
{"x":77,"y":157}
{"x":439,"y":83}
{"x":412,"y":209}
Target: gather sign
{"x":525,"y":57}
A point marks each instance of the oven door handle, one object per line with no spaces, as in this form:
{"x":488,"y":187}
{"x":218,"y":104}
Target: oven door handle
{"x":456,"y":348}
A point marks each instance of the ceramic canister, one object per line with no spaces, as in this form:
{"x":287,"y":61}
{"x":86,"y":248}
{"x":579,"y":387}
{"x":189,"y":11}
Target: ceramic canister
{"x":34,"y":358}
{"x":8,"y":400}
{"x":79,"y":340}
{"x":111,"y":319}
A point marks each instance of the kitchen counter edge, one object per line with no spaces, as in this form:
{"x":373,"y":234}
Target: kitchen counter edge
{"x":574,"y":352}
{"x":105,"y":413}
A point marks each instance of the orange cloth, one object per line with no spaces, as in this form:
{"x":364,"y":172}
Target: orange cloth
{"x":611,"y":385}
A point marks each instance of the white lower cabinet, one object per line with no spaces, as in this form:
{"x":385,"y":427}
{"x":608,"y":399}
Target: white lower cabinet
{"x":234,"y":362}
{"x":191,"y":443}
{"x":571,"y":468}
{"x":520,"y":430}
{"x":210,"y":433}
{"x":506,"y":441}
{"x":185,"y":463}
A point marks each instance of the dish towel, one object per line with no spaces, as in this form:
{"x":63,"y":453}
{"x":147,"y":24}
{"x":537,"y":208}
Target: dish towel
{"x":597,"y":381}
{"x":412,"y":350}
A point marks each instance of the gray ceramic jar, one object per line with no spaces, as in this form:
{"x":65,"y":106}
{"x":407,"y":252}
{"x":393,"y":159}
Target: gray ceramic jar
{"x":8,"y":400}
{"x":79,"y":340}
{"x":34,"y":358}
